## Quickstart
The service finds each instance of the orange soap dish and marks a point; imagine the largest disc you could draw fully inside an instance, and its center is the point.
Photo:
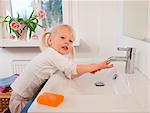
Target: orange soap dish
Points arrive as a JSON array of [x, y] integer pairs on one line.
[[50, 99]]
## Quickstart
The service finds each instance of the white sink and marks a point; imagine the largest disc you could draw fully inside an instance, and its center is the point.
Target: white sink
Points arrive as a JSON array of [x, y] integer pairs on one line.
[[86, 84], [116, 96]]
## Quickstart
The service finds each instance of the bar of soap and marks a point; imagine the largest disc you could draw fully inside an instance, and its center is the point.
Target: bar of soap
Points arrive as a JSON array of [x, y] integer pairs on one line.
[[50, 99]]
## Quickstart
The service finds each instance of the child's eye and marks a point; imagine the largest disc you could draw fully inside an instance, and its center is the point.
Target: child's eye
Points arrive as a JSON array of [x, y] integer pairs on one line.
[[62, 37], [71, 41]]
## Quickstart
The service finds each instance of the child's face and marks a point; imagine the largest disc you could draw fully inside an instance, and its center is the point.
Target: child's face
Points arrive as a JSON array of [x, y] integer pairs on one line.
[[62, 41]]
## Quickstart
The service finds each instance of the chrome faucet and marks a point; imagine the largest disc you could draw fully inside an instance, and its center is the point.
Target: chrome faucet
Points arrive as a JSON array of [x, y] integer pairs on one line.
[[129, 59]]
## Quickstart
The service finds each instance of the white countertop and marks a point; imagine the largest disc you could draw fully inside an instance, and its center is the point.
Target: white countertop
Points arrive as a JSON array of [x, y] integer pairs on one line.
[[137, 101]]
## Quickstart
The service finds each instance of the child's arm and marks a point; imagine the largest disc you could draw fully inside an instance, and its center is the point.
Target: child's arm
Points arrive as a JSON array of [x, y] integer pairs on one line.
[[86, 68]]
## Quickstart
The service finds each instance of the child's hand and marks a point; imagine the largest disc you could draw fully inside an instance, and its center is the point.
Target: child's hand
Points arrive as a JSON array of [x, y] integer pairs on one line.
[[93, 72], [105, 64]]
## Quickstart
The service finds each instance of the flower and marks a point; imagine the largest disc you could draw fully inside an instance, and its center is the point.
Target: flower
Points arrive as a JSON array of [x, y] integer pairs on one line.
[[46, 28], [12, 37], [19, 25], [35, 36], [15, 25], [41, 14]]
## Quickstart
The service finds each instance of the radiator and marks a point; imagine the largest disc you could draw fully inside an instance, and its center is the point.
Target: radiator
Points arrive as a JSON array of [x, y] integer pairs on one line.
[[18, 66]]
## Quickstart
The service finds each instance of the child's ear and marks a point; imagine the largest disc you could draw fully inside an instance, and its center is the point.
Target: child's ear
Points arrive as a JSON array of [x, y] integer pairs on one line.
[[49, 40], [44, 40]]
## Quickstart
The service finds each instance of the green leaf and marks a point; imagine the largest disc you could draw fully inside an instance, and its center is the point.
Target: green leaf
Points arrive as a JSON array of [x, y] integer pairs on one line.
[[1, 17], [18, 15], [21, 21], [2, 24], [9, 25], [17, 33], [30, 33], [5, 21], [31, 14], [6, 28], [34, 25], [40, 25], [7, 17]]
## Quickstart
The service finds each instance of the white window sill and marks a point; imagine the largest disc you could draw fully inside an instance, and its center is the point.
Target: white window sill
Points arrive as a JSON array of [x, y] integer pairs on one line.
[[29, 43], [19, 43]]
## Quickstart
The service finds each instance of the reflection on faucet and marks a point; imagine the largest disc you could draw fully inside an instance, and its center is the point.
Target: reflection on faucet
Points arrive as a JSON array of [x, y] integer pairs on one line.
[[129, 59]]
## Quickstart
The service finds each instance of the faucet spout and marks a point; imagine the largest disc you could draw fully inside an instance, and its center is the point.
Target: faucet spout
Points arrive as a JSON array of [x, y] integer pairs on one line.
[[129, 59], [117, 58]]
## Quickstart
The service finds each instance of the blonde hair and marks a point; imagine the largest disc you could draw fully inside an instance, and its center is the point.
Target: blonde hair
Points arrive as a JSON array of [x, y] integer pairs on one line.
[[46, 35]]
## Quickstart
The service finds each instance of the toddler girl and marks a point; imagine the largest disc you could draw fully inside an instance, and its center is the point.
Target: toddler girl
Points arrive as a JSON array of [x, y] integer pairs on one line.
[[57, 45]]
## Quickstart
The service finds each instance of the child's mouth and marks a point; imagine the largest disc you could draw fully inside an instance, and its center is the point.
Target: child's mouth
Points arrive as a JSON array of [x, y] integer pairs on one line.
[[65, 48]]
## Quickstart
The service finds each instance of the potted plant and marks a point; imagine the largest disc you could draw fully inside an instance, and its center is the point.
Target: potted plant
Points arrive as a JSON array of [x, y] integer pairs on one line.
[[19, 26]]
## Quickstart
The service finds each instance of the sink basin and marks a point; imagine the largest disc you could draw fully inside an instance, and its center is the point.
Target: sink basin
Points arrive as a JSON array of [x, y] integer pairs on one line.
[[105, 82], [100, 83], [82, 93]]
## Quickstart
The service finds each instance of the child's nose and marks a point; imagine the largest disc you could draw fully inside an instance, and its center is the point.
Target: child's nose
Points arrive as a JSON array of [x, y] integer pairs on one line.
[[67, 42]]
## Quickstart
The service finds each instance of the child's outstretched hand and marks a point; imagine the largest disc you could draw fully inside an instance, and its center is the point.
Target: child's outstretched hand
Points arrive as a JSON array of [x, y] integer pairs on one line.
[[103, 65], [93, 72]]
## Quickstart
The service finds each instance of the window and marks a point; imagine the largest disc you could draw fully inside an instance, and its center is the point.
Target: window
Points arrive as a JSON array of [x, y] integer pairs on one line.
[[53, 9], [24, 10], [58, 11]]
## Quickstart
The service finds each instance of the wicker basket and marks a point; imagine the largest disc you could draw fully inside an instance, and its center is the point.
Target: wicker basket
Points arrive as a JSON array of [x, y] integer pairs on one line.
[[4, 101]]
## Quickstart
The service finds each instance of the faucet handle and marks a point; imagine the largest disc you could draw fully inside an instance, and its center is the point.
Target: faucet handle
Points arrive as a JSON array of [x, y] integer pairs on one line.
[[123, 49], [127, 49]]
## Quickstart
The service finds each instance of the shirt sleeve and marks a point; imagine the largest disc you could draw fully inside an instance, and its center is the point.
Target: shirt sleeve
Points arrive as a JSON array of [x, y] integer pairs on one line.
[[67, 66]]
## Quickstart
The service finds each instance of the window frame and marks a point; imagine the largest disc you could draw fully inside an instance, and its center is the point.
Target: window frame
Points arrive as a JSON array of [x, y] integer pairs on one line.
[[70, 16]]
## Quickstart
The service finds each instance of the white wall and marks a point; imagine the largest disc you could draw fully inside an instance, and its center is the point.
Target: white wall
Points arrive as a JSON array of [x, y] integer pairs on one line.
[[111, 36], [8, 54], [88, 32], [100, 23], [135, 24], [142, 51], [1, 12], [100, 27], [109, 27], [88, 29]]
